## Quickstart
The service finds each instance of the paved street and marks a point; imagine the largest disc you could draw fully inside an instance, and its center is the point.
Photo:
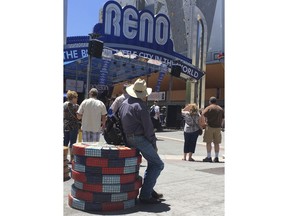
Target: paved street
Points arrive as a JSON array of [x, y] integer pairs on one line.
[[189, 188]]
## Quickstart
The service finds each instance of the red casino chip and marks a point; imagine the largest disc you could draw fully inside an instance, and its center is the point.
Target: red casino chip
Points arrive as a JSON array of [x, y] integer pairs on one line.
[[105, 170], [103, 150], [103, 179], [102, 197], [109, 188], [106, 162], [107, 206]]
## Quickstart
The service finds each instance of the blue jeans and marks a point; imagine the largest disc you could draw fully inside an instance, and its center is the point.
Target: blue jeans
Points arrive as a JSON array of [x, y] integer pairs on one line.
[[155, 164], [70, 136], [88, 136]]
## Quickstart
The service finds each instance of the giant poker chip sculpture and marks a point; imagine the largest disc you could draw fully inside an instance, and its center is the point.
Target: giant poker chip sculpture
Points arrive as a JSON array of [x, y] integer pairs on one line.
[[106, 177]]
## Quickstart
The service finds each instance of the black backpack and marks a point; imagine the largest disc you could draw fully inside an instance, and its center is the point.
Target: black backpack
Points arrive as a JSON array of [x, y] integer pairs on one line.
[[113, 133], [152, 111]]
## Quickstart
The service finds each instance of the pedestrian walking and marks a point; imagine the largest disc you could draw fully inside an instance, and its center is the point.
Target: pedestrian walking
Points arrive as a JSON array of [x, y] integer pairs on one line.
[[139, 133], [214, 115], [191, 129], [71, 122], [93, 114]]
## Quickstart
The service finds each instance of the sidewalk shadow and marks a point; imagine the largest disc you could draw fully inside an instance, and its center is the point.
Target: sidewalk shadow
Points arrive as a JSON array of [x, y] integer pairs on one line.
[[200, 161], [139, 207], [207, 162]]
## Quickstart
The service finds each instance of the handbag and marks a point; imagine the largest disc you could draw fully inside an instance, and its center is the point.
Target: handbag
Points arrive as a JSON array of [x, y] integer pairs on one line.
[[200, 130], [77, 120]]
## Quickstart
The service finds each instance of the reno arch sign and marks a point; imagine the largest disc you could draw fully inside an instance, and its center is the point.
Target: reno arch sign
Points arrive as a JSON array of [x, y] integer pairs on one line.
[[139, 32], [133, 25]]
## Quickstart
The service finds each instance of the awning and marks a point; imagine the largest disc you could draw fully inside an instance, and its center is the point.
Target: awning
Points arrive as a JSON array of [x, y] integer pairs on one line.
[[112, 69]]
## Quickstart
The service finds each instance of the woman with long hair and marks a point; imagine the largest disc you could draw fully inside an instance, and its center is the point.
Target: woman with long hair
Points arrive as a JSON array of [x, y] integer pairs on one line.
[[191, 129]]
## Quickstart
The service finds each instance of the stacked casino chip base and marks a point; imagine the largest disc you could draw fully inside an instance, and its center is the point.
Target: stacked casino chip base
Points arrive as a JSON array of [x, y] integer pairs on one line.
[[65, 165], [106, 177]]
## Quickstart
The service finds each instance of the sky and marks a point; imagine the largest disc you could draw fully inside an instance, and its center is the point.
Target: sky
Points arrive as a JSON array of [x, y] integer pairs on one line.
[[82, 15]]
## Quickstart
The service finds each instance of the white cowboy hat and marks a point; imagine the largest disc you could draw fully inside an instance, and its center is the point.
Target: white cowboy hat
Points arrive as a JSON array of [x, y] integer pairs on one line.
[[139, 89]]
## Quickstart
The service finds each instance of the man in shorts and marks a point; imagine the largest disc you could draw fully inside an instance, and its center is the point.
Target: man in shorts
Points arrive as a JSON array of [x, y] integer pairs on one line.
[[214, 115], [93, 114]]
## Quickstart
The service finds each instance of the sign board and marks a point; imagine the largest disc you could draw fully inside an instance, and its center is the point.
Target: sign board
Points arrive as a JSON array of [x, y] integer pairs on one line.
[[72, 54], [159, 96], [135, 32], [74, 86], [142, 33]]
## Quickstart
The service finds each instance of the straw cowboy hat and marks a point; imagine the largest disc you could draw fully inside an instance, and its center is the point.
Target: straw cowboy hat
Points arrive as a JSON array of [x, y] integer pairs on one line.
[[139, 89]]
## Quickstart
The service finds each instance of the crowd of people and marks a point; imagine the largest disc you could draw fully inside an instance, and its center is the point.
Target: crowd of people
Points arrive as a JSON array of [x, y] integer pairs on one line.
[[139, 124]]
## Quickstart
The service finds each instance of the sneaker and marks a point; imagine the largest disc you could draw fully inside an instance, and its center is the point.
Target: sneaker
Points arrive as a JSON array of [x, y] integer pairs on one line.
[[149, 200], [156, 195], [216, 160], [207, 159]]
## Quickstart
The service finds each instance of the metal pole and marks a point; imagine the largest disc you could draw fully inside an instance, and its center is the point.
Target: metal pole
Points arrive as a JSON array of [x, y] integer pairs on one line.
[[89, 68], [65, 20], [200, 95], [196, 92], [147, 83], [76, 75], [170, 88], [88, 75]]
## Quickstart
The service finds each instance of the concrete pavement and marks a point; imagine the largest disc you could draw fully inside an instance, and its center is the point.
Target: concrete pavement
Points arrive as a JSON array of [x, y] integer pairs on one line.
[[189, 188]]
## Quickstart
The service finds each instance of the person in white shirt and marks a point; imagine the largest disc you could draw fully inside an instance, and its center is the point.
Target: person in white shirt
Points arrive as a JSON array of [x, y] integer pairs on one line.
[[93, 114], [118, 101], [156, 117]]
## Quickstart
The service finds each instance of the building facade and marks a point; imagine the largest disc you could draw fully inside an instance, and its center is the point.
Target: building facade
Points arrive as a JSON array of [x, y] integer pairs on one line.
[[197, 31]]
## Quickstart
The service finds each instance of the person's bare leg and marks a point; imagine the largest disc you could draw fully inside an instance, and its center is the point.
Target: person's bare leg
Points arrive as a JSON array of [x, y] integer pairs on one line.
[[208, 148], [190, 156], [217, 149], [184, 158]]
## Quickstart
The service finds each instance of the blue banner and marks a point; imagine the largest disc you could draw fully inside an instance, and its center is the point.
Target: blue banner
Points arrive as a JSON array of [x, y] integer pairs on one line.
[[72, 54]]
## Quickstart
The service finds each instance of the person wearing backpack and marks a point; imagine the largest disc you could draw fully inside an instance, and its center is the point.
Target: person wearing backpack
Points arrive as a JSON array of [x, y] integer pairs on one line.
[[113, 133], [118, 101]]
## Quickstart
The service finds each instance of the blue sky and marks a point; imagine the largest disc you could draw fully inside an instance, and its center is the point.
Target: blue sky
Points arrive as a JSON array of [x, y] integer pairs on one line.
[[82, 15]]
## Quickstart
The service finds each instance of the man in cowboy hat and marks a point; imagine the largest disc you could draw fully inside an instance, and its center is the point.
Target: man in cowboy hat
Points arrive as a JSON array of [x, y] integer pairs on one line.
[[139, 132]]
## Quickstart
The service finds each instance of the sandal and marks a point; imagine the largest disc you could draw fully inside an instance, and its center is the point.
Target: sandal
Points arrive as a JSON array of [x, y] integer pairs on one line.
[[183, 159], [191, 159]]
